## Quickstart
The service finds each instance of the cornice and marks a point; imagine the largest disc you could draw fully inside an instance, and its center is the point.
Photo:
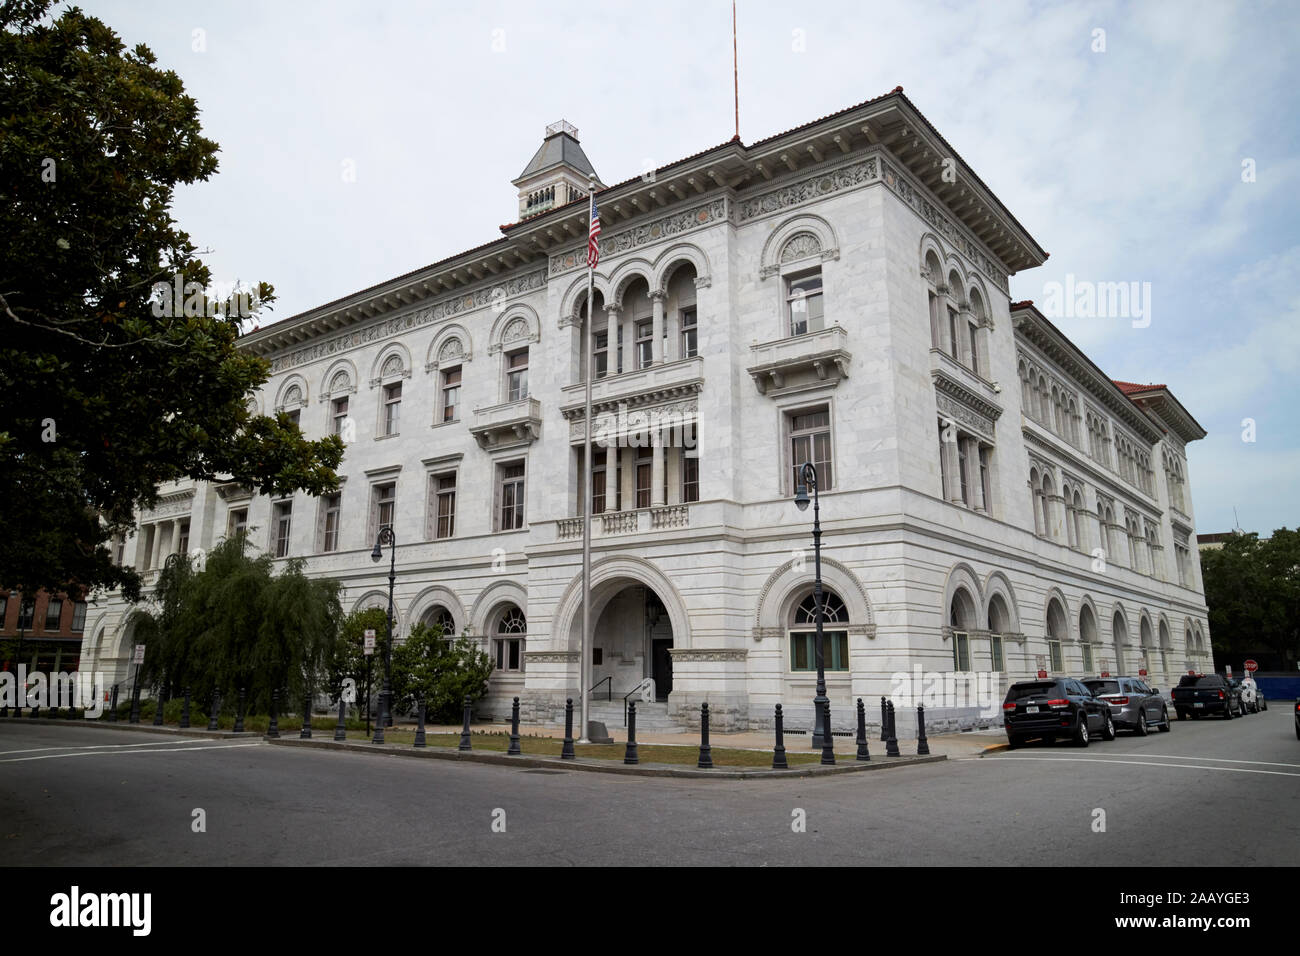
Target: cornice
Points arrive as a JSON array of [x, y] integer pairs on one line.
[[945, 383]]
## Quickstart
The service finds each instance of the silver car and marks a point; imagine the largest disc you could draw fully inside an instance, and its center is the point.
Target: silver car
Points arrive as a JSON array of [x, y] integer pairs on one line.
[[1134, 705]]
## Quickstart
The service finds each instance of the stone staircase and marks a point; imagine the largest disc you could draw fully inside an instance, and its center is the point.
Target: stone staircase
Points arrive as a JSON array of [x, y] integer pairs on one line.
[[650, 718]]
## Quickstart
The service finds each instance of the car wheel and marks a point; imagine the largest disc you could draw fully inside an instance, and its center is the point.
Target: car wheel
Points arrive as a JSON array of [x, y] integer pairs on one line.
[[1263, 704], [1227, 710], [1015, 742], [1081, 735], [1108, 729], [1166, 726], [1142, 723]]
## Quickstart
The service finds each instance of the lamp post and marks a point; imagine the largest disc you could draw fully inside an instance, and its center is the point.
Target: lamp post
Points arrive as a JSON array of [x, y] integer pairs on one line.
[[386, 537], [807, 478]]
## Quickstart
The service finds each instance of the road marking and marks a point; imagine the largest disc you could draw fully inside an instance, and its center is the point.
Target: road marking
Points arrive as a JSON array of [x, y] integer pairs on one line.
[[115, 753], [1262, 763], [1144, 763], [143, 743]]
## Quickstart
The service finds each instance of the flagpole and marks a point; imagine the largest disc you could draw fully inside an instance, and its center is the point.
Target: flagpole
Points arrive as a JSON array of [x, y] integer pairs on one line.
[[584, 655]]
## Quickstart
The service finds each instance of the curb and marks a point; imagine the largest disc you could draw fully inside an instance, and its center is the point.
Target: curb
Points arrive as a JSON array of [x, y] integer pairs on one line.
[[134, 728], [607, 766], [994, 748]]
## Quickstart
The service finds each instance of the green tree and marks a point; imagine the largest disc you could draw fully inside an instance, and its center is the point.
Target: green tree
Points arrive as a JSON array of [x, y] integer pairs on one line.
[[1252, 590], [108, 387], [349, 658], [439, 670]]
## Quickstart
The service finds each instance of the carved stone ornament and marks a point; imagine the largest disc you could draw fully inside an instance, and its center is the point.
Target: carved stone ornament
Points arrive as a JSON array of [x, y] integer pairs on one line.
[[803, 245]]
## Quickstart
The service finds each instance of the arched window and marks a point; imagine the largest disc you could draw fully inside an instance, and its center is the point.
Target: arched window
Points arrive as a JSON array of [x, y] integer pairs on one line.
[[438, 616], [803, 634], [1118, 634], [509, 639], [999, 624], [1056, 635], [962, 620], [1087, 636], [934, 280]]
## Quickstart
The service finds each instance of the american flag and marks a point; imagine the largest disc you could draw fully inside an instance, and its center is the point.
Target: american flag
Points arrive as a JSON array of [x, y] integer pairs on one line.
[[593, 246]]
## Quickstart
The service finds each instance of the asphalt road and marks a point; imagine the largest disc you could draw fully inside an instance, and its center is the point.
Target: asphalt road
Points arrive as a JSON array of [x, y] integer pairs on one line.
[[78, 796]]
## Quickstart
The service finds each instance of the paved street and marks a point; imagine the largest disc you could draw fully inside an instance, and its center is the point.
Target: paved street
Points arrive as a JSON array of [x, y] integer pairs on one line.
[[80, 796]]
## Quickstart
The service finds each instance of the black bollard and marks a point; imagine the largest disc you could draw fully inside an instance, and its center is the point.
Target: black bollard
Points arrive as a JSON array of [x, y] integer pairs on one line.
[[112, 706], [778, 752], [465, 743], [135, 703], [891, 744], [273, 726], [341, 730], [215, 713], [419, 729], [513, 750], [305, 733], [185, 709], [706, 752], [239, 713], [4, 710], [863, 752], [884, 721], [36, 711], [158, 710], [567, 752], [828, 742], [630, 755], [922, 745]]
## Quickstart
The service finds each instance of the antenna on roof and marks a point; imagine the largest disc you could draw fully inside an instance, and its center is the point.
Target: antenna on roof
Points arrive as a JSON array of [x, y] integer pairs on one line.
[[735, 67], [1236, 525]]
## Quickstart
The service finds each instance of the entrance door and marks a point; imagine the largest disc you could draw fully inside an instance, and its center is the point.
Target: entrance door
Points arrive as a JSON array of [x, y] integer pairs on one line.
[[662, 668]]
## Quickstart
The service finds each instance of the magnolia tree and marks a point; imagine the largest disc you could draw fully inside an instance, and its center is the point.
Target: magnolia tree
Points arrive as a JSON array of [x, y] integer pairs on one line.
[[440, 671]]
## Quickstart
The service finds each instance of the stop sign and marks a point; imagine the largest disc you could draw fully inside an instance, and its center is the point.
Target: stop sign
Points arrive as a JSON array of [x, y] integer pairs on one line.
[[1042, 674], [1251, 667]]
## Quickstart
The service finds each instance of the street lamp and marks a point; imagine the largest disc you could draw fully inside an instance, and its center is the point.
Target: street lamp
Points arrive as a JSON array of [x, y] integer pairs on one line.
[[386, 537], [821, 731]]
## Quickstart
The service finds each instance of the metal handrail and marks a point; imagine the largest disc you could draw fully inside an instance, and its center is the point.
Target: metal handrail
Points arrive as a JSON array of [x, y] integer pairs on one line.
[[640, 686], [609, 693]]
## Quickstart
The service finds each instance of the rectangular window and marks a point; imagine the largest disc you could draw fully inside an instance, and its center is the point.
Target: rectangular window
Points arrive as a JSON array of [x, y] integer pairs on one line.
[[510, 493], [803, 650], [690, 337], [332, 510], [444, 490], [1054, 656], [644, 343], [517, 376], [644, 474], [509, 653], [995, 653], [383, 506], [392, 407], [1086, 648], [281, 521], [451, 395], [804, 303], [183, 539], [600, 354], [26, 611], [237, 522], [121, 550], [53, 612], [810, 440], [960, 651], [340, 414], [986, 476], [690, 478], [962, 466], [78, 617], [295, 416]]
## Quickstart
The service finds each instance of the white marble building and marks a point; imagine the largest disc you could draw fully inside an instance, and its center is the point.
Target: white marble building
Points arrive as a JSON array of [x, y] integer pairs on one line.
[[990, 499]]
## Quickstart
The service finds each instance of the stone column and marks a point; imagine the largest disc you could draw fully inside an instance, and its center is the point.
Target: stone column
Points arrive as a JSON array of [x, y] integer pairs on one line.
[[657, 346], [952, 468], [157, 544], [1056, 512], [973, 460], [611, 341], [673, 464], [611, 476], [657, 469]]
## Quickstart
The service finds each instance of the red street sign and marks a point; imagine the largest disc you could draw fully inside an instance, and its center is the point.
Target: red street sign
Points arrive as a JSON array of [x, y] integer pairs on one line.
[[1142, 672], [1191, 673], [1042, 674], [1105, 673], [1252, 666]]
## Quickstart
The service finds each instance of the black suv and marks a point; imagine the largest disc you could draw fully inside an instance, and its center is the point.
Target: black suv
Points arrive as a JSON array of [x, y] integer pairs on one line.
[[1055, 707]]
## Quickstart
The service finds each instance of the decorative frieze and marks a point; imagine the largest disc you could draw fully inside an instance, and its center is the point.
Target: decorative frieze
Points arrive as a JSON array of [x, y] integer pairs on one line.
[[654, 231], [808, 189], [551, 657], [169, 505], [386, 328], [697, 655]]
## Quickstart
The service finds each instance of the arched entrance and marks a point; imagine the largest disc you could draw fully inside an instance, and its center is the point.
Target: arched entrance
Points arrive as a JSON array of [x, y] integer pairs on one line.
[[631, 639]]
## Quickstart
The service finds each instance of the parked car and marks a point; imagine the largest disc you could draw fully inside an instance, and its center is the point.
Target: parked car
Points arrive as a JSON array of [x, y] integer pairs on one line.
[[1297, 719], [1248, 695], [1055, 707], [1133, 704], [1256, 702], [1198, 694]]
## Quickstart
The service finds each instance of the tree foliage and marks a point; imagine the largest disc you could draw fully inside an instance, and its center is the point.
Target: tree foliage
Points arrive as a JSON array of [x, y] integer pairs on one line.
[[349, 657], [1252, 589], [235, 623], [441, 671], [103, 399]]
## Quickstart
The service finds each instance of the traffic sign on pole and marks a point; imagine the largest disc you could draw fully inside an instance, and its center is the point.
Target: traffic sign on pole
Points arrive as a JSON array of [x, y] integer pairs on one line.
[[139, 653], [1251, 667]]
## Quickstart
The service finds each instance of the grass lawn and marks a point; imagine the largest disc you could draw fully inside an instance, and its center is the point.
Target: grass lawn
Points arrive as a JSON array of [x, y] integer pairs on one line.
[[648, 753]]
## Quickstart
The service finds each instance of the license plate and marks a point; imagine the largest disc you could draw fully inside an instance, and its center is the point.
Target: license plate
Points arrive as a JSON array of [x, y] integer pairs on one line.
[[1199, 704], [1031, 710]]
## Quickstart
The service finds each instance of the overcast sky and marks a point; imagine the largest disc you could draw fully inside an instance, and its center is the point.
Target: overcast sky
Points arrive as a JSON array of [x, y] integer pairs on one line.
[[1126, 163]]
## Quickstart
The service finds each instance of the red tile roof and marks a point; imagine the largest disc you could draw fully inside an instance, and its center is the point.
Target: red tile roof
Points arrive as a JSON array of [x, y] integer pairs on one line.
[[1128, 388]]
